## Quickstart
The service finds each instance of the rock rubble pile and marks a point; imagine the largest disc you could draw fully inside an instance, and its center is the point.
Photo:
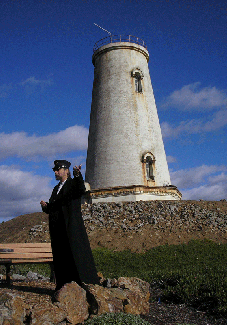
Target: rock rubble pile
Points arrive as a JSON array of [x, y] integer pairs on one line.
[[132, 216], [139, 226], [75, 304]]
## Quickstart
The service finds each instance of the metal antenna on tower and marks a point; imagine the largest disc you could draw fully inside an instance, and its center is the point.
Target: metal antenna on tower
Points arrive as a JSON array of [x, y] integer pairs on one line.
[[102, 29]]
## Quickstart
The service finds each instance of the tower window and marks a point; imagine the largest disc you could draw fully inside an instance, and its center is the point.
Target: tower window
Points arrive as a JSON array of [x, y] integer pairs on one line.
[[148, 165], [138, 76], [149, 168], [138, 83]]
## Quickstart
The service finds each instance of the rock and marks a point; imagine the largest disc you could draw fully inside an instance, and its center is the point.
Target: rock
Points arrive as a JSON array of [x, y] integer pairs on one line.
[[138, 295], [74, 300], [12, 309], [32, 275], [131, 296], [135, 284], [18, 277], [136, 304], [47, 314], [8, 322], [36, 228], [105, 300], [35, 276]]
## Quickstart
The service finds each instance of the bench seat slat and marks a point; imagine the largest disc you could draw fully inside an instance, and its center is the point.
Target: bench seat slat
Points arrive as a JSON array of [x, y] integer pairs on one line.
[[26, 245], [37, 260], [26, 250], [25, 261], [25, 255]]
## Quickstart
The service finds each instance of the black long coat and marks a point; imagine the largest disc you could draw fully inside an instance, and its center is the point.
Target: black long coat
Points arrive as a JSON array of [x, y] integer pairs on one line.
[[72, 256]]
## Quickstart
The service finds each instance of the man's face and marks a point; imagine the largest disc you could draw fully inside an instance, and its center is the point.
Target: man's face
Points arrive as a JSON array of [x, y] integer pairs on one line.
[[61, 174]]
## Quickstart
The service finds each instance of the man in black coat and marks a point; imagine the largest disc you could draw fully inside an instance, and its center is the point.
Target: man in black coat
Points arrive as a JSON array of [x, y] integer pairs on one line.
[[72, 256]]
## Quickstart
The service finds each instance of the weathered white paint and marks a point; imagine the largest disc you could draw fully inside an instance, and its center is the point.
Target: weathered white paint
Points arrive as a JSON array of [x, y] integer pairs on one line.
[[124, 124]]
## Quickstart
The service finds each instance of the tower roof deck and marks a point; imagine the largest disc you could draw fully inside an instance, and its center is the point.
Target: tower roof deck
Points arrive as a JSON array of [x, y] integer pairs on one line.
[[117, 39]]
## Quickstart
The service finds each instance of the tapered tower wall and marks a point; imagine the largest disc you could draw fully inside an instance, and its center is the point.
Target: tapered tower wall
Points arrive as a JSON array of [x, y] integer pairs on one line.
[[124, 124]]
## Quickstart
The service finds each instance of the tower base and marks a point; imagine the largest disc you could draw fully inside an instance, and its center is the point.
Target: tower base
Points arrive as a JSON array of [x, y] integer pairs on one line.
[[132, 193]]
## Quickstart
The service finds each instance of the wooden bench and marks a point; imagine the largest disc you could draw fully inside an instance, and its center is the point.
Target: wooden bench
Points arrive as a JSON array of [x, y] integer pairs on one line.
[[23, 253]]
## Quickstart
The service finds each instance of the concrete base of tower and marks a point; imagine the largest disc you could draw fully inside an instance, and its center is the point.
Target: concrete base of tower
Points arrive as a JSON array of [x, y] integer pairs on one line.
[[132, 193]]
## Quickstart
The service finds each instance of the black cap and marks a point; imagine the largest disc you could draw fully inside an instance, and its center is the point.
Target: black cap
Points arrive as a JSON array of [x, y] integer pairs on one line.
[[61, 164]]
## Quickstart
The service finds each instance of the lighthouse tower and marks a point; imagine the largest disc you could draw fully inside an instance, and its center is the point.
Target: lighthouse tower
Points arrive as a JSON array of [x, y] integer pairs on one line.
[[126, 160]]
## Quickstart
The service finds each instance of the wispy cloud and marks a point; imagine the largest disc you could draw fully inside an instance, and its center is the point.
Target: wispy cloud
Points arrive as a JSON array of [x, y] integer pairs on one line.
[[192, 97], [27, 85], [21, 191], [187, 178], [20, 144], [35, 82], [203, 182], [206, 192], [171, 159], [195, 126]]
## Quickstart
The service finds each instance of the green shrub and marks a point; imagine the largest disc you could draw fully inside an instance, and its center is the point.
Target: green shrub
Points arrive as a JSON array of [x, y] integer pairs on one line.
[[116, 319], [193, 273]]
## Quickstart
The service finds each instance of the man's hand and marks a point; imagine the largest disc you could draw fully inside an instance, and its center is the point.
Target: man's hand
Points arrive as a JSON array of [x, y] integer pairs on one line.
[[76, 170], [43, 204]]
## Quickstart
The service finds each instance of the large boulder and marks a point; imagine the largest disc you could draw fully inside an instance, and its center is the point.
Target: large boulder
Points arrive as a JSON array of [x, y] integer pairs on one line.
[[129, 295], [48, 314], [74, 301], [105, 300], [138, 295], [12, 309]]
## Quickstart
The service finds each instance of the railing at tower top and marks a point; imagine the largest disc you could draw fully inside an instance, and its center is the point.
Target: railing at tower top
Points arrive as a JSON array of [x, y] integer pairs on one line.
[[118, 38]]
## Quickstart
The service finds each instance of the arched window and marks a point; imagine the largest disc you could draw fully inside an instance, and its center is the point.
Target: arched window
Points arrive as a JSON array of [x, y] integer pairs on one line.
[[138, 76], [148, 162], [149, 168], [138, 83]]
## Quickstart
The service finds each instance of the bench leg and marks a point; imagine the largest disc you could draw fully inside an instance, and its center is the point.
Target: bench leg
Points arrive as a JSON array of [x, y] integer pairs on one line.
[[8, 274], [52, 275]]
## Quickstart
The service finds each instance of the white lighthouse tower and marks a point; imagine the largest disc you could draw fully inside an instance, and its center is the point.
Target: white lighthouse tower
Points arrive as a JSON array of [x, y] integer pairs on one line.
[[126, 160]]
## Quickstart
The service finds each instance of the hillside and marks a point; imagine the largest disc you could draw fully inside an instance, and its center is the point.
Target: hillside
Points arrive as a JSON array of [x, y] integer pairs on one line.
[[137, 226]]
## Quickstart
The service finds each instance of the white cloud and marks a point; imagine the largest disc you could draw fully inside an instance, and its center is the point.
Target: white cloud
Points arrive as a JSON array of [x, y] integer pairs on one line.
[[186, 178], [35, 82], [29, 83], [206, 192], [191, 97], [195, 126], [20, 144], [203, 182], [169, 131], [21, 192], [218, 178], [171, 159]]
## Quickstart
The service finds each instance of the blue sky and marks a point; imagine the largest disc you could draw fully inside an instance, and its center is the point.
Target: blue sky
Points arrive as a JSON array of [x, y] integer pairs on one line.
[[46, 87]]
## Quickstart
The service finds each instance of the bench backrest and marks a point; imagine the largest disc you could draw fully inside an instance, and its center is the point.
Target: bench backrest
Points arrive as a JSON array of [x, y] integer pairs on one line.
[[25, 253]]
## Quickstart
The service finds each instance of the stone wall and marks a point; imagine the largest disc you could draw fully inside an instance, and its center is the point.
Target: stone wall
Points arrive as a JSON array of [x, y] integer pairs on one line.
[[145, 224], [132, 216]]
